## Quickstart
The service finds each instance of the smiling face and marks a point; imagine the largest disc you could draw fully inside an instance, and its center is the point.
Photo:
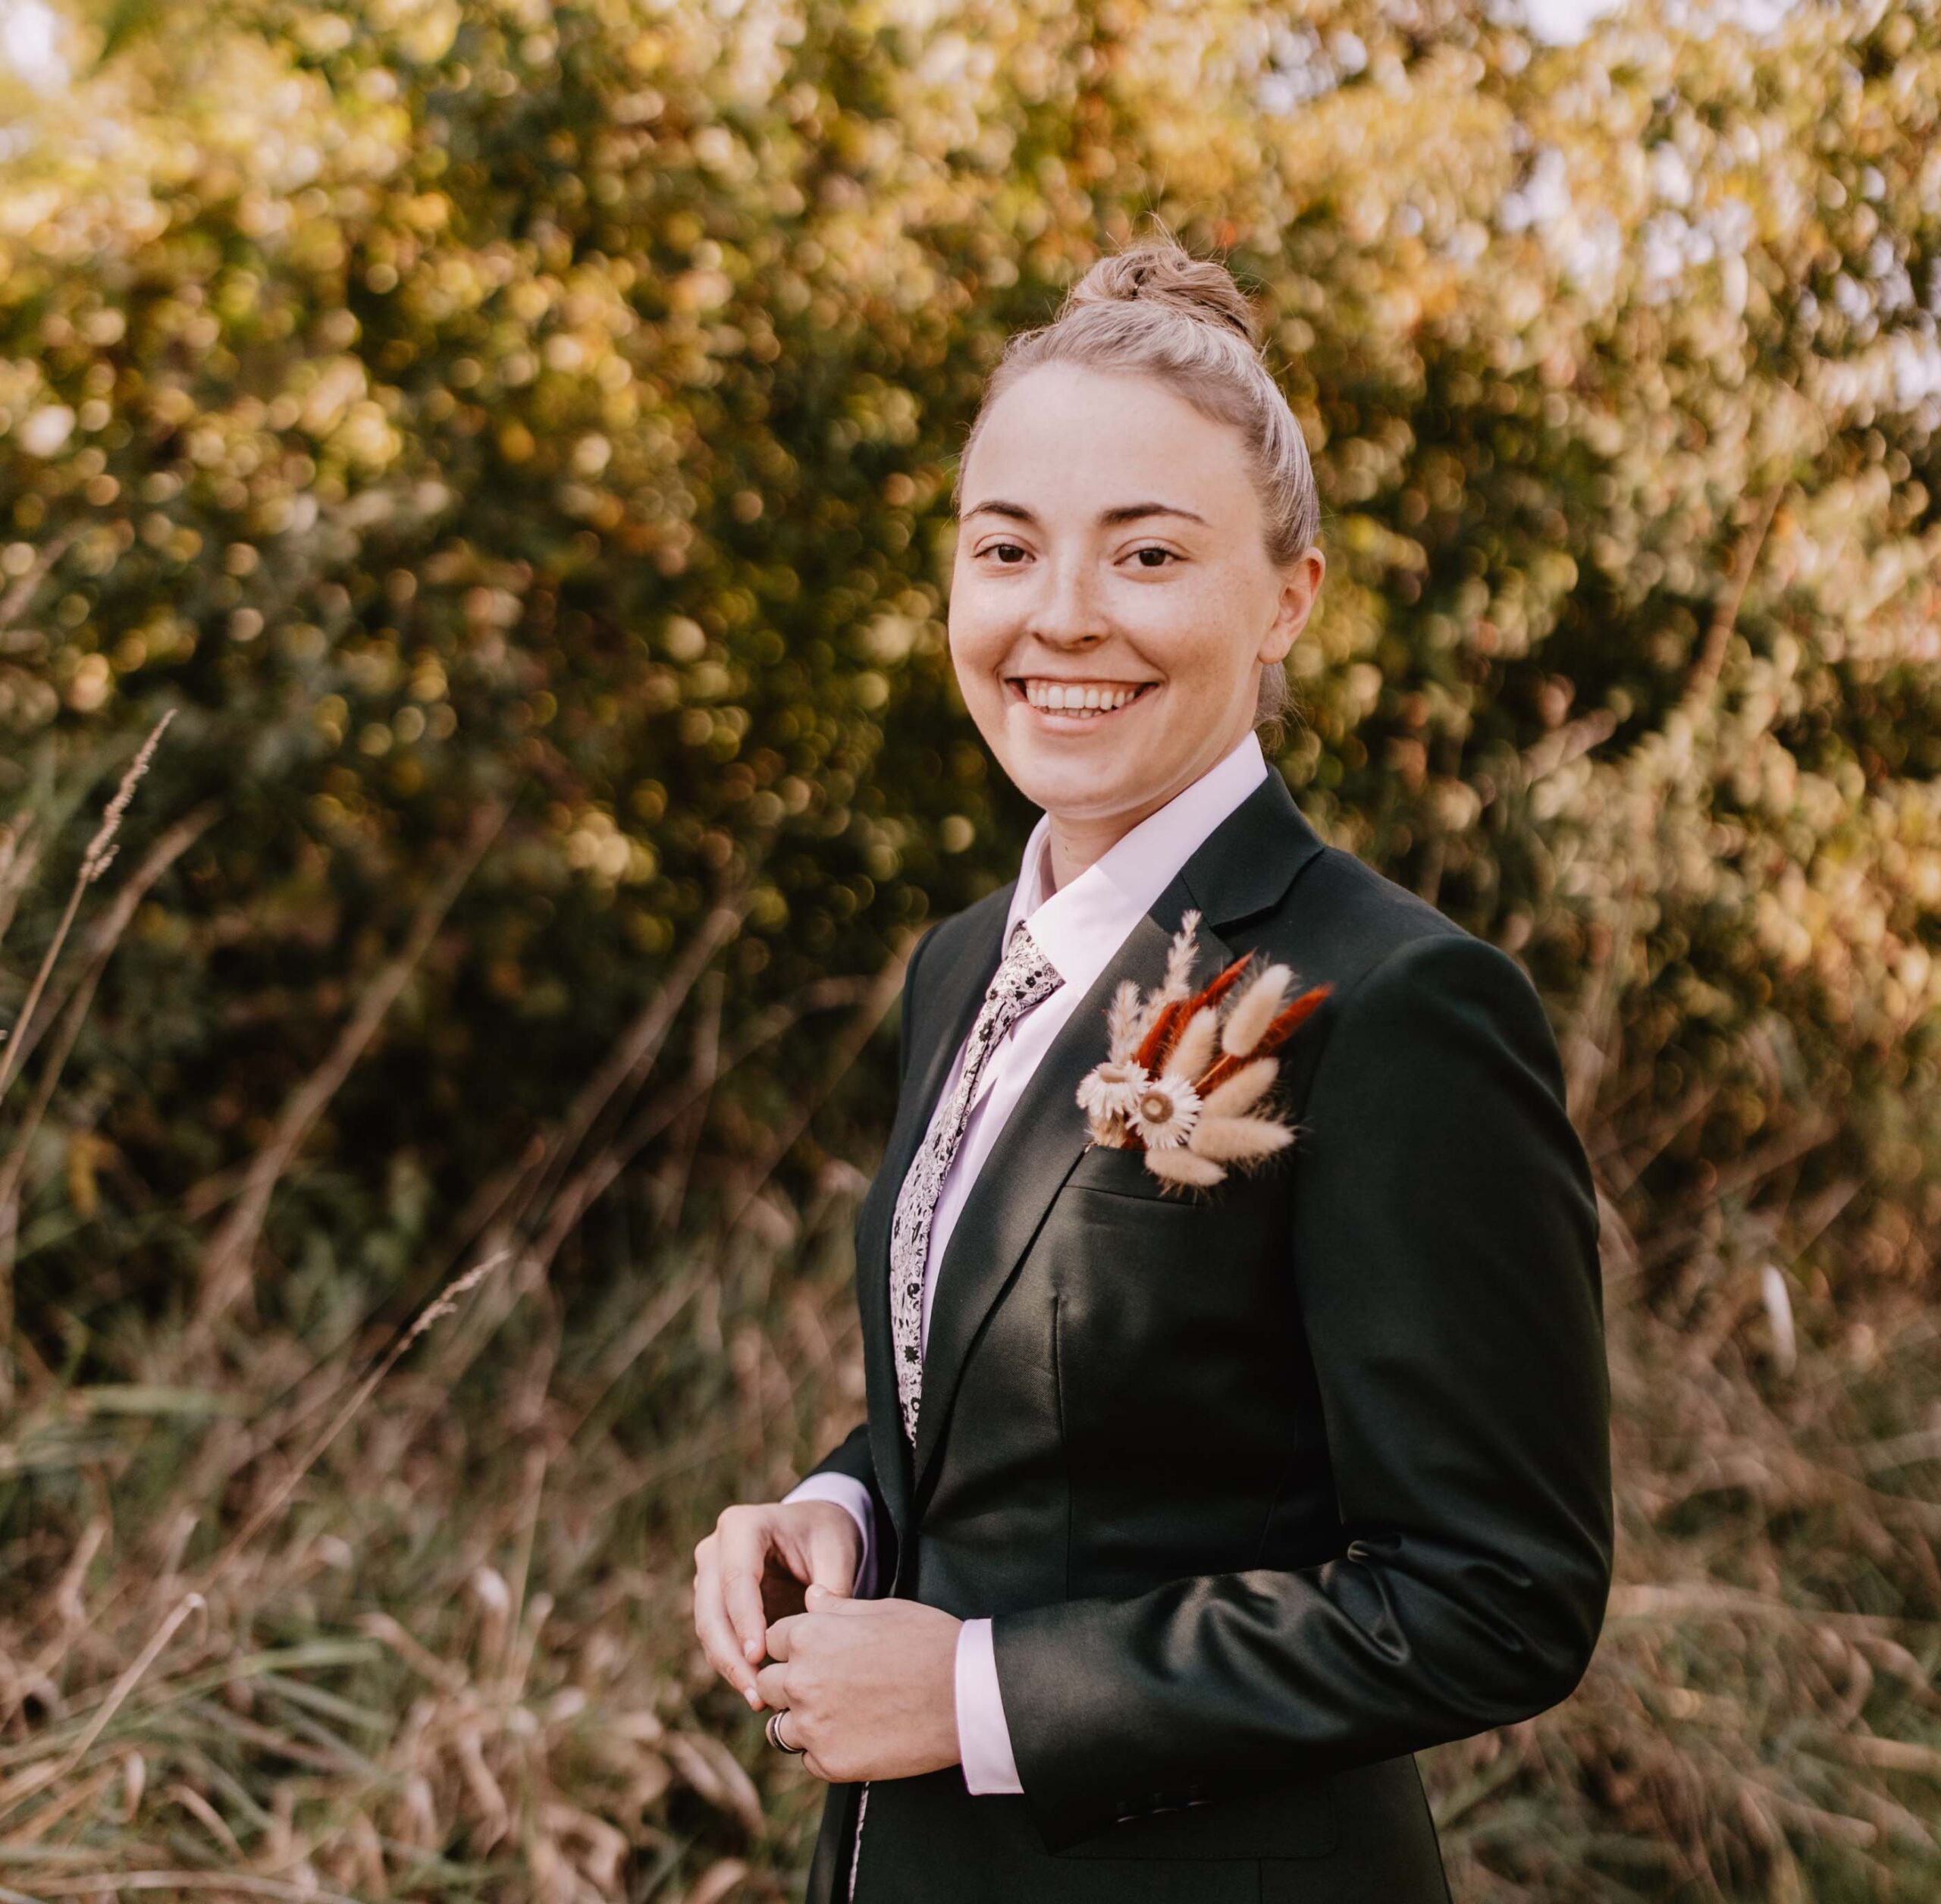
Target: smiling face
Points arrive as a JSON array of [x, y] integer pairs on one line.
[[1112, 598]]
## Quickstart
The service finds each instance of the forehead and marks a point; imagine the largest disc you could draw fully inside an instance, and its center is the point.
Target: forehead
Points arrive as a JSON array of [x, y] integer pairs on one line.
[[1063, 436]]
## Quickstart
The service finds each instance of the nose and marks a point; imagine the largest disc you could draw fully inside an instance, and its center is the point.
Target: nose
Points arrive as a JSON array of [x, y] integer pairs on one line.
[[1070, 613]]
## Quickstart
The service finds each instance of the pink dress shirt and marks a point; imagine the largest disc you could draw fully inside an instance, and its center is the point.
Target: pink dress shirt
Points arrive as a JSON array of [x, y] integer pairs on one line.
[[1078, 927]]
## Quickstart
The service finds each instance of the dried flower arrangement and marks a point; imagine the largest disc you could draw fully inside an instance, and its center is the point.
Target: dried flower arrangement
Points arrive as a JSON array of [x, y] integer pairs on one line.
[[1185, 1070]]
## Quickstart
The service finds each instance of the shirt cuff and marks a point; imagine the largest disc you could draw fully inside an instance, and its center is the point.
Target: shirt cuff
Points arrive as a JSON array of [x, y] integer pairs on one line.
[[847, 1491], [983, 1738]]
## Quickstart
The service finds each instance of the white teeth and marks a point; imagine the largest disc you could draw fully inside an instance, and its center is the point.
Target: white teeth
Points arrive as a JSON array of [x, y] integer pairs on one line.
[[1069, 698]]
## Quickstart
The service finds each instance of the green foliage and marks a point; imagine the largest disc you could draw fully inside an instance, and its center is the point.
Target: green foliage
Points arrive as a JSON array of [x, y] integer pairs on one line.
[[441, 403]]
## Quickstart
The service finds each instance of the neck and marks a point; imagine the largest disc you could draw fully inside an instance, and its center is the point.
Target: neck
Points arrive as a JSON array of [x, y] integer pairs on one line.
[[1073, 844], [1077, 841]]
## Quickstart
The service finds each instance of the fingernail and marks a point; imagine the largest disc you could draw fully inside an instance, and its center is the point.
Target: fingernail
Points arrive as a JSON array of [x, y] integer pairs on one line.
[[754, 1698]]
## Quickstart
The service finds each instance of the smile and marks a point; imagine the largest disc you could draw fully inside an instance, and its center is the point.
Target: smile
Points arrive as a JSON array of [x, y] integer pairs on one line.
[[1085, 701]]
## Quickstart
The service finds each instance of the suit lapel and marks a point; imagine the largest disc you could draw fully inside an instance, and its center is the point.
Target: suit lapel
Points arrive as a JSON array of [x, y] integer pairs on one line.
[[1243, 867], [953, 992]]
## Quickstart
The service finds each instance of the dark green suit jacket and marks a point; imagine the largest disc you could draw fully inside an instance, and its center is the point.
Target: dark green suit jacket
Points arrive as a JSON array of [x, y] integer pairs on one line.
[[1266, 1491]]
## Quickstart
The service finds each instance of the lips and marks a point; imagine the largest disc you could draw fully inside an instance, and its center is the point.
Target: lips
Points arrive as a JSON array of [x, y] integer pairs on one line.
[[1077, 700]]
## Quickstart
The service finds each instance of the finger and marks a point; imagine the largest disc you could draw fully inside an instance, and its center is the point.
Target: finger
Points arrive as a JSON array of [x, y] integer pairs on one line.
[[771, 1682], [716, 1635], [782, 1635], [834, 1552], [745, 1552], [718, 1642]]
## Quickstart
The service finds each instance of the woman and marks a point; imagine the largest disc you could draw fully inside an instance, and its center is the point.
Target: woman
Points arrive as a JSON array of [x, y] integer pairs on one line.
[[1179, 1522]]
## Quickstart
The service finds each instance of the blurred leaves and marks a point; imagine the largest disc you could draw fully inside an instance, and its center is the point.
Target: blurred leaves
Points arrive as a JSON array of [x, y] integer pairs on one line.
[[443, 403]]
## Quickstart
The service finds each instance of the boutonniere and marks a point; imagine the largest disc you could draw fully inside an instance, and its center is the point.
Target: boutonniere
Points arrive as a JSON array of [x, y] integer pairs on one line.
[[1184, 1070]]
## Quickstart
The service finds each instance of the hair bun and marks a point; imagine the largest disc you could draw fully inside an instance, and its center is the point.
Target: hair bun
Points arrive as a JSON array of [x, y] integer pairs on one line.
[[1161, 272]]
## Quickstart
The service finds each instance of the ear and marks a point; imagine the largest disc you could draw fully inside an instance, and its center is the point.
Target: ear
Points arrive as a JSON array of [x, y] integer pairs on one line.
[[1300, 586]]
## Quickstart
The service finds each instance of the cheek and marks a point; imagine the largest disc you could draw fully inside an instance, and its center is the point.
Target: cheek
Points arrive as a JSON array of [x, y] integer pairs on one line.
[[976, 648], [1199, 649], [1226, 637], [961, 628]]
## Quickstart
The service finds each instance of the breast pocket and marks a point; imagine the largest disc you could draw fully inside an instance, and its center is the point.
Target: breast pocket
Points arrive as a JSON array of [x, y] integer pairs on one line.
[[1173, 1317], [1102, 1166]]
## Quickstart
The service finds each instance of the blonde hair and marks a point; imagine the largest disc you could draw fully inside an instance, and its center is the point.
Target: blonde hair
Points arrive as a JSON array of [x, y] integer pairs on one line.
[[1154, 309]]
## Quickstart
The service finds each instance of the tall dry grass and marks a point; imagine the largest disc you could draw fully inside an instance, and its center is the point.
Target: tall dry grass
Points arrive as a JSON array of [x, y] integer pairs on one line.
[[407, 1616]]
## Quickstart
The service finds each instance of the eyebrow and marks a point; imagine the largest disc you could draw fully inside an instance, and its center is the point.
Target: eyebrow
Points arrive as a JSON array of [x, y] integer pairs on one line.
[[1107, 518]]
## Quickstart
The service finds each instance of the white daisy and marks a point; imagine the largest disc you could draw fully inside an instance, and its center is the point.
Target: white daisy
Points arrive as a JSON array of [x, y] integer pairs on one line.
[[1165, 1112], [1111, 1089]]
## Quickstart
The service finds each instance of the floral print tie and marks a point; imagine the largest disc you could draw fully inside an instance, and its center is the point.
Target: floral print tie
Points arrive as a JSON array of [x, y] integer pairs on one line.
[[1025, 977]]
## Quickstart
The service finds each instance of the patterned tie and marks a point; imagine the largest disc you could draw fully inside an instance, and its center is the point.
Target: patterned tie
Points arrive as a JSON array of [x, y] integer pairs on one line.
[[1025, 976]]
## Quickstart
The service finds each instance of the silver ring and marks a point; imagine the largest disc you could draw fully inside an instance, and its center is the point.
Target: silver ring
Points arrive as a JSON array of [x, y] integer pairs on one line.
[[773, 1729]]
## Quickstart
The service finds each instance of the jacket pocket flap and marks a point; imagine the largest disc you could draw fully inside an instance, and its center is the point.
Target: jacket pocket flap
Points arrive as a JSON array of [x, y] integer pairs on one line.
[[1295, 1820]]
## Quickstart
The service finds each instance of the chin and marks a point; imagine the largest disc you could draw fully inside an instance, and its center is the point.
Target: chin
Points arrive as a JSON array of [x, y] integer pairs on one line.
[[1081, 791]]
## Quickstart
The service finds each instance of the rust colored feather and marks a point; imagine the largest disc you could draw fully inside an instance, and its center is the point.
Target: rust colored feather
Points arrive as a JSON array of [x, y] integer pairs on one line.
[[1158, 1042], [1217, 988], [1279, 1029], [1153, 1047], [1285, 1021]]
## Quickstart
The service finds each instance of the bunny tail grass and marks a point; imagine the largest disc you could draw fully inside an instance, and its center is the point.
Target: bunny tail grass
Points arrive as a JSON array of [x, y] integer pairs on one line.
[[1240, 1139], [1290, 1018], [1181, 1165], [1238, 1089], [1193, 1049], [1253, 1011]]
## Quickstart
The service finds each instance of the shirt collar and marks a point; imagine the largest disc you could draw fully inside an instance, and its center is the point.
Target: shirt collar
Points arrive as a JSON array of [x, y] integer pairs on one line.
[[1079, 927]]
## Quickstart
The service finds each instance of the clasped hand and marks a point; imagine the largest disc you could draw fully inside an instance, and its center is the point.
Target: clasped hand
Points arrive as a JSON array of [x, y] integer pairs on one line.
[[869, 1685]]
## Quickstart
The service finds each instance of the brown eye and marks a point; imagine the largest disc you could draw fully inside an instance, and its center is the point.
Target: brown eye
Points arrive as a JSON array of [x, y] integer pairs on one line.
[[1165, 556], [1012, 546]]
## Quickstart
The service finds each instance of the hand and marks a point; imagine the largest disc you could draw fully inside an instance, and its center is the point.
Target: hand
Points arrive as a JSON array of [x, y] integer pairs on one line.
[[754, 1567], [870, 1686]]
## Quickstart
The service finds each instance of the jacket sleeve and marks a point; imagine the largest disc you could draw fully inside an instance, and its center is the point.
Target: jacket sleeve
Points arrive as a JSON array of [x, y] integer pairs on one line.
[[1444, 1249], [851, 1457]]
